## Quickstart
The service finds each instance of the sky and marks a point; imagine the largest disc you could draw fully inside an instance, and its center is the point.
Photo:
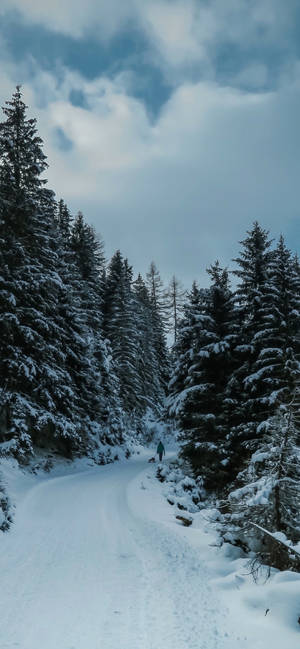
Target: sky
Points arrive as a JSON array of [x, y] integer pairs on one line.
[[171, 124]]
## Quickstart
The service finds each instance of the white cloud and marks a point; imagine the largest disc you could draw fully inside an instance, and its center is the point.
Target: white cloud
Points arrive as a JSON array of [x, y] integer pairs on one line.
[[74, 17], [179, 30]]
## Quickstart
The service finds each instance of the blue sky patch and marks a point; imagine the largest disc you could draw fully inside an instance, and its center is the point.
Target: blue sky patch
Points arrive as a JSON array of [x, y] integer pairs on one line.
[[77, 98], [62, 141]]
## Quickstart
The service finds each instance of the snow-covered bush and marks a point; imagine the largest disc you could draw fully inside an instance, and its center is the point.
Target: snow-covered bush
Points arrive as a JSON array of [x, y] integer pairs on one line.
[[161, 473], [181, 490]]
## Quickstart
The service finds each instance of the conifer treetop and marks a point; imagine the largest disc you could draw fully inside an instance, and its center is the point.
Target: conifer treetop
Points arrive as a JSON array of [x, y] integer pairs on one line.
[[21, 156]]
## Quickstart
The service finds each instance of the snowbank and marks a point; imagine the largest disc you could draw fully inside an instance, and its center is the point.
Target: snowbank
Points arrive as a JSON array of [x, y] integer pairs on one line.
[[266, 613]]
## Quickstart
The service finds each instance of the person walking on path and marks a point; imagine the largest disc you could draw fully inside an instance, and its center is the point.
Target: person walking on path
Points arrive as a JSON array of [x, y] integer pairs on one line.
[[160, 450]]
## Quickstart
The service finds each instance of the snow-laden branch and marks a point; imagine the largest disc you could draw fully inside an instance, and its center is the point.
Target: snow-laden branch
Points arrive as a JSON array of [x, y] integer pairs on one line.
[[274, 537]]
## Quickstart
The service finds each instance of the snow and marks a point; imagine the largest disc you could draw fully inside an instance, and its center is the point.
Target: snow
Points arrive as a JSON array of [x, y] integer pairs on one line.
[[258, 493], [281, 537], [259, 456], [267, 351], [179, 400], [256, 376], [97, 560]]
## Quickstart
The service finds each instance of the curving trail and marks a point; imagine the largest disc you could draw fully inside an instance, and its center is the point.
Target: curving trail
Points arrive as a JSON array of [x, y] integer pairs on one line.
[[89, 565]]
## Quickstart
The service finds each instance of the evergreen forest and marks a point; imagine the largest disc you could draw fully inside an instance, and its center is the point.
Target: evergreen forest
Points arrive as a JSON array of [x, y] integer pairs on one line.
[[89, 347]]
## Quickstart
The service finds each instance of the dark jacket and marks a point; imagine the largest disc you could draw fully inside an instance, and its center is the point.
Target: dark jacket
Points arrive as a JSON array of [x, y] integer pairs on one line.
[[160, 449]]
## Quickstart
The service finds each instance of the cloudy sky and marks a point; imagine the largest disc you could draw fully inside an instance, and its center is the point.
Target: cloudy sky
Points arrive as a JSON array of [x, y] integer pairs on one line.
[[172, 124]]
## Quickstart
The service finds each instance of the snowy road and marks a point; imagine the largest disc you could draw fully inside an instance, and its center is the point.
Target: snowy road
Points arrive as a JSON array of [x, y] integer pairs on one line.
[[90, 564]]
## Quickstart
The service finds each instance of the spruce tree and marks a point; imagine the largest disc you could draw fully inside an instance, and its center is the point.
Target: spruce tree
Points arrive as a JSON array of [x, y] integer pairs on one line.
[[203, 414], [175, 297], [96, 380], [119, 327], [147, 361], [263, 503], [183, 350], [31, 353], [254, 297], [159, 318], [266, 360]]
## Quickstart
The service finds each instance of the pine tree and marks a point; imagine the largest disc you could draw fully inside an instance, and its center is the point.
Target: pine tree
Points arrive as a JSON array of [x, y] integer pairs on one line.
[[175, 300], [287, 310], [64, 221], [159, 322], [77, 338], [203, 413], [97, 380], [263, 503], [119, 327], [267, 367], [156, 289], [147, 362], [249, 382], [183, 349], [31, 354]]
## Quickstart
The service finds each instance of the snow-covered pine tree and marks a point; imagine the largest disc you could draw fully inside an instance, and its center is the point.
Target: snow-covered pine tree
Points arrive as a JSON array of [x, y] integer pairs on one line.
[[264, 503], [159, 322], [287, 304], [32, 358], [120, 329], [269, 301], [156, 289], [96, 379], [72, 323], [77, 336], [275, 368], [203, 403], [183, 350], [147, 362], [249, 382], [64, 220], [175, 298]]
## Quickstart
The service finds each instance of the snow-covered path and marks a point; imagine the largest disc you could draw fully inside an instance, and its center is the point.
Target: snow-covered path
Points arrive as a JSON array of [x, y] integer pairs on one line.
[[89, 564]]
